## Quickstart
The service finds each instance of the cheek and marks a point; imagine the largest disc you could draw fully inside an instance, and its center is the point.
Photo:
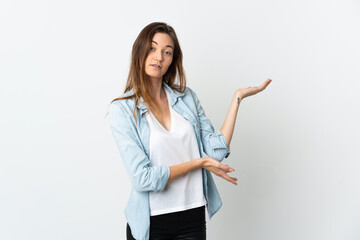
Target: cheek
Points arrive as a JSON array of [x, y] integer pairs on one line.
[[147, 60], [149, 57], [169, 62], [167, 67]]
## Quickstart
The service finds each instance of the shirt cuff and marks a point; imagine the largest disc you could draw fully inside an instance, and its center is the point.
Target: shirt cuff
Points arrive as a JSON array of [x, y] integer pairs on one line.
[[222, 143]]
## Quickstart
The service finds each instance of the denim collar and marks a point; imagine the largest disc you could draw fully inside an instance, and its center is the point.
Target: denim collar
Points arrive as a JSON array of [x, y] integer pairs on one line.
[[173, 95]]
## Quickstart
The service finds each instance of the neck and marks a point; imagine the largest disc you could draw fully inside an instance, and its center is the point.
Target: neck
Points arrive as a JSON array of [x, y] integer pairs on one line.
[[157, 91]]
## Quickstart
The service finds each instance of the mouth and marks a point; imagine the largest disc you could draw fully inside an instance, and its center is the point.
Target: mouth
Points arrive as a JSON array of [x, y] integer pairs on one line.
[[155, 65]]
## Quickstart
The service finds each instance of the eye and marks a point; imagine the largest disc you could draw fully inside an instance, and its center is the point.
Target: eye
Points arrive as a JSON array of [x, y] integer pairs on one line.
[[151, 48], [168, 53]]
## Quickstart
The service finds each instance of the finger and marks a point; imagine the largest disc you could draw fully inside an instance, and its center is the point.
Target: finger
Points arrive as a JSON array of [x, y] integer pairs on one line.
[[266, 83], [227, 168], [230, 170], [234, 178], [230, 179]]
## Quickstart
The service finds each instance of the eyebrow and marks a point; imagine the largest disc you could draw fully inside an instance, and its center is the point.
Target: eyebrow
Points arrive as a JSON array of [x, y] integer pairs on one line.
[[166, 45]]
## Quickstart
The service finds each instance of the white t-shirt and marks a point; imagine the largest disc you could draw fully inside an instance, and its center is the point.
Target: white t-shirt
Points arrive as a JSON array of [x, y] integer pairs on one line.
[[170, 148]]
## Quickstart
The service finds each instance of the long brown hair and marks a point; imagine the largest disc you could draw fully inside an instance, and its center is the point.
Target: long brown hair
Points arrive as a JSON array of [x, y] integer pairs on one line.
[[138, 80]]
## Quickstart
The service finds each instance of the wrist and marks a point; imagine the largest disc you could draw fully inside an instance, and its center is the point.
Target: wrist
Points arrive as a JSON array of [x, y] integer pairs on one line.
[[202, 162], [238, 95]]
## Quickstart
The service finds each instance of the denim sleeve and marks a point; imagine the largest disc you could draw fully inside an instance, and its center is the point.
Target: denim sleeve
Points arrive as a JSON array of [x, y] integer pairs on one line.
[[142, 176], [214, 143]]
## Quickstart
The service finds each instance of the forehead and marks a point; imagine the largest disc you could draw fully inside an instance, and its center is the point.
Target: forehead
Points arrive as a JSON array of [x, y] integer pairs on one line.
[[163, 39]]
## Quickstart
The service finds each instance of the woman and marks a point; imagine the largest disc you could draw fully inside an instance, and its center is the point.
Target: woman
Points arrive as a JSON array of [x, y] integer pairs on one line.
[[161, 131]]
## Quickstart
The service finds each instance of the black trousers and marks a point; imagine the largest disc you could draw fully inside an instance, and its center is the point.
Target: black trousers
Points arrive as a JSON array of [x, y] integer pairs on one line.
[[184, 225]]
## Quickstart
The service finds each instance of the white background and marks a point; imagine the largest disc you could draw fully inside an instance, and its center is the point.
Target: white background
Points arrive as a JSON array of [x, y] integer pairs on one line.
[[295, 148]]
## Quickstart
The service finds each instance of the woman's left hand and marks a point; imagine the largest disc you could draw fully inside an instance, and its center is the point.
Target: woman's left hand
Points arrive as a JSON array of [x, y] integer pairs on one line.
[[246, 92]]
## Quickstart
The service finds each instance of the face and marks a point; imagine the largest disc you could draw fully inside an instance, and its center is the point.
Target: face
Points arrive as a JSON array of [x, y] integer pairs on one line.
[[161, 54]]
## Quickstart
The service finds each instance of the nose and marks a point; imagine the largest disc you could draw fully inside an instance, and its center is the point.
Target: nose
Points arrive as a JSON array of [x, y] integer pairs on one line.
[[158, 56]]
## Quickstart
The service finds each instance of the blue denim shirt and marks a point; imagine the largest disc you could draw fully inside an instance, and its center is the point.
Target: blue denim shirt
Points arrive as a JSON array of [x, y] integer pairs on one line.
[[132, 140]]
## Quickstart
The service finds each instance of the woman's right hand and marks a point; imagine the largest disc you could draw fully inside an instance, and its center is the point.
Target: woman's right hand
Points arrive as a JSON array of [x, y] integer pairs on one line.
[[218, 169]]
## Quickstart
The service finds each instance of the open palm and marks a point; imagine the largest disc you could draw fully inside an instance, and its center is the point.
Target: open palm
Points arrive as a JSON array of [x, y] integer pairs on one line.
[[249, 91]]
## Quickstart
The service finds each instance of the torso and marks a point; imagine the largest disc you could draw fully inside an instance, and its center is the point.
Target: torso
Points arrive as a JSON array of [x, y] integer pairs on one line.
[[164, 117], [172, 146]]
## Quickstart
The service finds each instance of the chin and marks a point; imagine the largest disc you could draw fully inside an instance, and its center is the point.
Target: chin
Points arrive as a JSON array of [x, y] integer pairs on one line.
[[155, 76]]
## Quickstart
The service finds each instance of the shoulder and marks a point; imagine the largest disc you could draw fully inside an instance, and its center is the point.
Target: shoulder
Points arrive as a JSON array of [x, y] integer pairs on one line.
[[122, 107], [116, 111], [187, 92], [190, 98], [190, 93]]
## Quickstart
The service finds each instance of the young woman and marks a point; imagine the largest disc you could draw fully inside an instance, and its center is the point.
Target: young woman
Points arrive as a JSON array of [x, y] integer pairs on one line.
[[161, 131]]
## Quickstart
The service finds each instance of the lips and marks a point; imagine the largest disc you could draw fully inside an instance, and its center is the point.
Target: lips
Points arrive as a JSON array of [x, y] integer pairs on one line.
[[155, 65]]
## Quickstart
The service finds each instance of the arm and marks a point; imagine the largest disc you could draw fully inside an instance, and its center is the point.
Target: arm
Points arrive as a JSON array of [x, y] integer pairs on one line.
[[142, 176], [208, 163], [183, 168], [228, 127], [214, 143]]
